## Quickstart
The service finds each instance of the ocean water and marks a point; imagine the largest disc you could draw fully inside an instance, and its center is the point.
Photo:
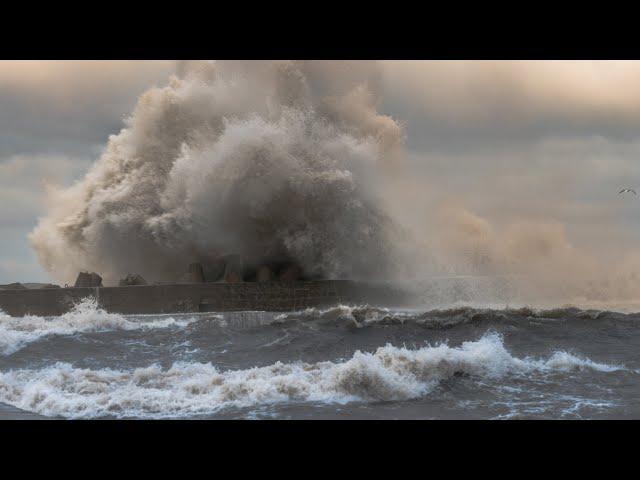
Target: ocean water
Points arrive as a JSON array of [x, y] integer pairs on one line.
[[345, 362]]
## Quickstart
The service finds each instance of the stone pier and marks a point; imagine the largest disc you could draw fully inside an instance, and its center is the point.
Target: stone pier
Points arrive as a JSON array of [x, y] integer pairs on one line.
[[201, 297]]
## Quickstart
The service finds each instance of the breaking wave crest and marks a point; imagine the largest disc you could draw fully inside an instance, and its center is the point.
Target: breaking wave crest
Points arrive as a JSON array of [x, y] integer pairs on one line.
[[185, 389], [365, 315], [17, 332]]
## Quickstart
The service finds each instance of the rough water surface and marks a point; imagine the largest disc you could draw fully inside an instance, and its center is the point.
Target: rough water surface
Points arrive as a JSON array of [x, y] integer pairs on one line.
[[345, 362]]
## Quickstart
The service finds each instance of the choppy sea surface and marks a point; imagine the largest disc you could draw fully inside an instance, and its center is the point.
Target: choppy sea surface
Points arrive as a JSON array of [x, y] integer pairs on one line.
[[345, 362]]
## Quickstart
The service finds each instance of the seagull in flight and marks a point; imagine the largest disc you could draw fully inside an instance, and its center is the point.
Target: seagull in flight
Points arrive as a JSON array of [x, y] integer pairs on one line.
[[627, 190]]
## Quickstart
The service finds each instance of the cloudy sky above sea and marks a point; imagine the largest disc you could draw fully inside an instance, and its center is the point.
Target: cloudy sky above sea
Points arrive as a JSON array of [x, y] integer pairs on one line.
[[535, 140]]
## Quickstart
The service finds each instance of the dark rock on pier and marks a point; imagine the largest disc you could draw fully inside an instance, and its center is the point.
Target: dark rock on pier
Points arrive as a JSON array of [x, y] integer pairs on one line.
[[213, 270], [264, 274], [290, 273], [195, 273], [88, 279], [233, 269], [132, 279]]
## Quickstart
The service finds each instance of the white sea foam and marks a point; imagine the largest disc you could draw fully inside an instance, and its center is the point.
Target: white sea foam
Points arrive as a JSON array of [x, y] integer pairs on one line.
[[17, 332], [184, 389]]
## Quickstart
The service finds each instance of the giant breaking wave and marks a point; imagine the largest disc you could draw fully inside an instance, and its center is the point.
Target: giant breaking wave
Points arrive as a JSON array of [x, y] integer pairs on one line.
[[269, 160]]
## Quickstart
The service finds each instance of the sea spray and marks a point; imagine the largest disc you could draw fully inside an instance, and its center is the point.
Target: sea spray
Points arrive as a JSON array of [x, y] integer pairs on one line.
[[270, 160]]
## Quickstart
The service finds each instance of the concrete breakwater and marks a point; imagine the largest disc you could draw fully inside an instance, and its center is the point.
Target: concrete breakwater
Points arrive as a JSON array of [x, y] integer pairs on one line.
[[200, 297]]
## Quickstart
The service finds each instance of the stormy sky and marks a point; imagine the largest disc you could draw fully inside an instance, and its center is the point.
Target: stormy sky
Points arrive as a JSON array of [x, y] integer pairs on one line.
[[538, 141]]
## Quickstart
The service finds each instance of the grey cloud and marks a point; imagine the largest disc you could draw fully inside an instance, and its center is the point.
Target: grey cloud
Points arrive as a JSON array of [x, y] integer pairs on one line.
[[69, 107], [513, 143], [24, 179], [462, 105], [17, 263]]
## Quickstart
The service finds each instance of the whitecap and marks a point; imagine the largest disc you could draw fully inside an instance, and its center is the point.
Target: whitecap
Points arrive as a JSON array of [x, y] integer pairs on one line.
[[86, 316], [186, 389]]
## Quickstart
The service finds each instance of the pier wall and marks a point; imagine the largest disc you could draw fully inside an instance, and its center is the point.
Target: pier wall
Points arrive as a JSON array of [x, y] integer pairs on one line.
[[197, 297]]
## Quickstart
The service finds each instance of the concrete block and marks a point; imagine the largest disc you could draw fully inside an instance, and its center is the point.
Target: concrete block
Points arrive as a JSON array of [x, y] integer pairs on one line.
[[233, 269], [132, 279], [264, 274], [195, 273], [88, 279]]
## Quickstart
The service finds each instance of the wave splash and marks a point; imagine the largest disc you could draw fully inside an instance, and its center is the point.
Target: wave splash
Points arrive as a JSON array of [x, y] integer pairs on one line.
[[274, 161], [186, 389], [17, 332]]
